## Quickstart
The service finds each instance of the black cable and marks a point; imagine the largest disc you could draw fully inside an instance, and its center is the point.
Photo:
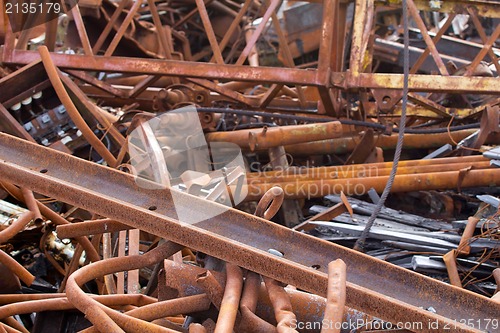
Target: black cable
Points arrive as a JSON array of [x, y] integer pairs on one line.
[[342, 121]]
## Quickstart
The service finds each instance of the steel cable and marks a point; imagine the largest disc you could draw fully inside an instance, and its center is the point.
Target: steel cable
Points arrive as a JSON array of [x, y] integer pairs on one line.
[[360, 243]]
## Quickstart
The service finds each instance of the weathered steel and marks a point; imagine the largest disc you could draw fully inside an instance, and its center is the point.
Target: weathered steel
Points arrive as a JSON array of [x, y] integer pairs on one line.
[[242, 239], [266, 138]]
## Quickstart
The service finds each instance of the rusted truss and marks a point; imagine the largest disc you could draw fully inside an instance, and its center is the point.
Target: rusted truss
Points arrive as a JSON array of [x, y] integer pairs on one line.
[[333, 77]]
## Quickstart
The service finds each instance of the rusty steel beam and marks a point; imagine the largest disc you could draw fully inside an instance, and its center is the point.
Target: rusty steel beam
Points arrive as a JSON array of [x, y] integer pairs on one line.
[[243, 239], [175, 68], [172, 68]]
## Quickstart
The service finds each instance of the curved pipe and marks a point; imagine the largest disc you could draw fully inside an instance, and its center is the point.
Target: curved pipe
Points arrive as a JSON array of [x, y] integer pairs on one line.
[[270, 203], [105, 319], [53, 74], [16, 268], [30, 201], [62, 303], [56, 219], [212, 288], [231, 300], [282, 306], [17, 226]]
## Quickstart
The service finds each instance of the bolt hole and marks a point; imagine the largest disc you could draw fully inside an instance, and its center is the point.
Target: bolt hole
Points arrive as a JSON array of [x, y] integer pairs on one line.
[[316, 267], [386, 99], [44, 171], [152, 208], [199, 98]]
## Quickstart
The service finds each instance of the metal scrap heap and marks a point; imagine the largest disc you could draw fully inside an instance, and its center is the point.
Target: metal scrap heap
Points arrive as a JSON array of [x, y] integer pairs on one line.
[[250, 166]]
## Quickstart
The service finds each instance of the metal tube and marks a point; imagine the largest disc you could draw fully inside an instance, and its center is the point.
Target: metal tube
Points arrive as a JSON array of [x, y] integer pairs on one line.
[[95, 312], [370, 166], [56, 219], [282, 306], [53, 74], [212, 288], [91, 227], [335, 297], [347, 144], [62, 303], [451, 267], [17, 226], [30, 201], [11, 322], [312, 174], [258, 139], [231, 300], [9, 329], [358, 186], [16, 268], [196, 328], [470, 228]]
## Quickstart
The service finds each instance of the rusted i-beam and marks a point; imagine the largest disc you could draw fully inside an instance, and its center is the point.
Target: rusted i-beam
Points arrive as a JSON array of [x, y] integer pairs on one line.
[[242, 239]]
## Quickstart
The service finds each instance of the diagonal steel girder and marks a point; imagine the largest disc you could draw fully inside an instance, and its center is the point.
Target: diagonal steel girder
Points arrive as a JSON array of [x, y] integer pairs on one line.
[[374, 286]]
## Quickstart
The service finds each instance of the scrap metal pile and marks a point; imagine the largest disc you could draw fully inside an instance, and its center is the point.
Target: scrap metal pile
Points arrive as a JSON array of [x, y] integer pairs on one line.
[[250, 166]]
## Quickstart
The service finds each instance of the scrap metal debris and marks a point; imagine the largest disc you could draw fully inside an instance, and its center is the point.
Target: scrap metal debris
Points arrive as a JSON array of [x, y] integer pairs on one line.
[[214, 166]]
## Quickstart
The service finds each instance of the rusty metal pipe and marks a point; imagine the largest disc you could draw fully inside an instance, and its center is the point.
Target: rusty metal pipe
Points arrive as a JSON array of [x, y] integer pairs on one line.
[[53, 74], [231, 299], [451, 268], [56, 219], [17, 226], [250, 293], [496, 276], [370, 166], [197, 328], [91, 227], [282, 306], [14, 298], [156, 310], [181, 278], [30, 201], [73, 266], [11, 322], [99, 315], [368, 172], [109, 280], [212, 288], [470, 228], [347, 144], [358, 186], [335, 297], [270, 203], [173, 307], [62, 303], [250, 322], [9, 329], [16, 268], [257, 139]]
